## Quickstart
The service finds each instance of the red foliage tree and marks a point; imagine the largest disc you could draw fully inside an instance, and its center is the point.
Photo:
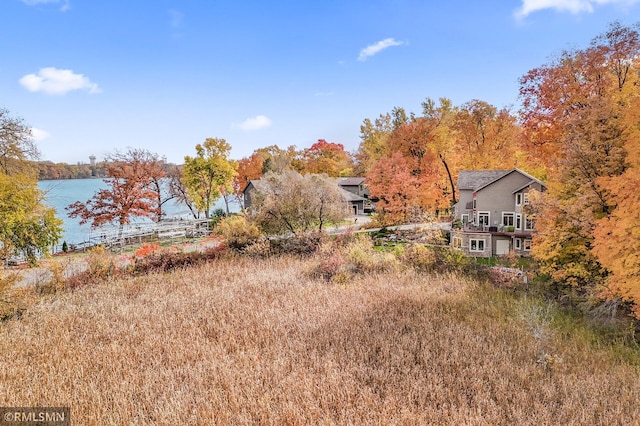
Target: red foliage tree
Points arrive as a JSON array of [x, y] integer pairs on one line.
[[129, 194], [391, 181]]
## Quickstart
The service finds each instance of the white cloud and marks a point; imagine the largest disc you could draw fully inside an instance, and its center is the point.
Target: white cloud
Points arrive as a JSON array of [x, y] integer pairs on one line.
[[378, 47], [572, 6], [54, 81], [256, 123], [39, 134], [64, 7]]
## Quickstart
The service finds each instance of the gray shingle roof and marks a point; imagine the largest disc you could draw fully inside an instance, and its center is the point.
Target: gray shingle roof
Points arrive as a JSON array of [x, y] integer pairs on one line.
[[474, 179], [349, 181]]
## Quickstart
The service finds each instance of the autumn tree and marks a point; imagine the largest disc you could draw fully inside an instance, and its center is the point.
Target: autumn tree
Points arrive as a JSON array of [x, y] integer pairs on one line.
[[28, 227], [488, 137], [374, 136], [289, 202], [129, 193], [573, 116], [395, 187], [249, 168], [209, 174], [150, 167], [327, 158], [16, 145], [616, 242], [278, 160], [179, 191]]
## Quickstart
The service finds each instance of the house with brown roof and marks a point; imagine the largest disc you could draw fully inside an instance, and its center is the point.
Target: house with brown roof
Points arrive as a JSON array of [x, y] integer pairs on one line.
[[492, 216]]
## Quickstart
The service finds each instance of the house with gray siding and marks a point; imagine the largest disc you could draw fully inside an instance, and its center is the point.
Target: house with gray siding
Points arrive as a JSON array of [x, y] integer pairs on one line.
[[353, 190], [492, 217]]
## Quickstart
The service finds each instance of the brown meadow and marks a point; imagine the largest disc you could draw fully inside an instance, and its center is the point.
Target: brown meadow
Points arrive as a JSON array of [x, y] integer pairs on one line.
[[260, 341]]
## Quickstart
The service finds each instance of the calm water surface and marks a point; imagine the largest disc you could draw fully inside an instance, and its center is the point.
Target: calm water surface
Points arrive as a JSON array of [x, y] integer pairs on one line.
[[61, 193]]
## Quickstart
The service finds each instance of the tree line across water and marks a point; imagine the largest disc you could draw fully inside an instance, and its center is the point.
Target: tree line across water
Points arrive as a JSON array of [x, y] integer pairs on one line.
[[578, 130]]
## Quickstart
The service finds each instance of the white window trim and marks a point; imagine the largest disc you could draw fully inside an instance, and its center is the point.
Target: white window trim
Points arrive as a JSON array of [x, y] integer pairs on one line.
[[464, 218], [525, 198], [519, 199], [526, 246], [478, 241], [488, 214], [513, 218], [518, 224], [517, 244], [457, 243], [526, 228]]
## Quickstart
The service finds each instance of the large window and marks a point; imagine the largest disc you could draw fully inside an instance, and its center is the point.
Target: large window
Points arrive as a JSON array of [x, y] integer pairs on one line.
[[483, 218], [508, 219], [529, 222], [476, 245]]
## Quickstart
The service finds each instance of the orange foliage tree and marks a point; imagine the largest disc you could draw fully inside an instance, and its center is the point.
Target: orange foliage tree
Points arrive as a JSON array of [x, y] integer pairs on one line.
[[617, 236], [327, 158], [128, 195], [573, 115], [392, 183], [249, 168]]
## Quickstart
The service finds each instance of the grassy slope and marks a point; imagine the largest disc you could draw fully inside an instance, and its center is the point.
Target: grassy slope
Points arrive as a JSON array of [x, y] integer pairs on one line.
[[257, 341]]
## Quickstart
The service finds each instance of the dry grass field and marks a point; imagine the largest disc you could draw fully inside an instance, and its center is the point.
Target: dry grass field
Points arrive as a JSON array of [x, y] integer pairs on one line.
[[259, 341]]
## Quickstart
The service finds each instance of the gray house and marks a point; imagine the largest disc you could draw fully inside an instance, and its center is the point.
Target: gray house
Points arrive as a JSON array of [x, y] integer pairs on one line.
[[356, 186], [493, 213], [353, 190]]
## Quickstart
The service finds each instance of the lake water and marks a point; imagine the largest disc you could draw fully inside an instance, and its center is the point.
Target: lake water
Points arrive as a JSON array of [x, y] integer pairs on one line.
[[60, 193]]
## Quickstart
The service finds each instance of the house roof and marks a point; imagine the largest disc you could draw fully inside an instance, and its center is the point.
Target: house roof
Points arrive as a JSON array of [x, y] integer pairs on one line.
[[349, 181], [350, 196], [477, 179]]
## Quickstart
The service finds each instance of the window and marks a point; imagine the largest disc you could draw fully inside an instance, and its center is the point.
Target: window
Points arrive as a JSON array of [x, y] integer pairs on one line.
[[483, 218], [529, 223], [526, 198], [476, 245], [518, 222], [518, 199], [527, 245], [508, 219], [517, 244], [464, 218], [474, 204], [457, 243]]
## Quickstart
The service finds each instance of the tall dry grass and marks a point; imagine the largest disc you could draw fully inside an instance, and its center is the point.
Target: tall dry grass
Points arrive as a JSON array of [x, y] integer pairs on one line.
[[260, 341]]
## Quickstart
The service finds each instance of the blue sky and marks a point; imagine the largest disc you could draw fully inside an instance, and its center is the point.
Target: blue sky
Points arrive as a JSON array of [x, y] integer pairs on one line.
[[94, 76]]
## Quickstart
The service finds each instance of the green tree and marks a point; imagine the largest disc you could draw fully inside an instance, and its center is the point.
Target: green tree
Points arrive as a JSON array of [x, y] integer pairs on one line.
[[27, 226], [209, 174]]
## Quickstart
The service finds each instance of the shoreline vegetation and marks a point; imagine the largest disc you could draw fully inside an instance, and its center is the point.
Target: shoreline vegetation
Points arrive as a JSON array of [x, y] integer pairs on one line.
[[317, 329]]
